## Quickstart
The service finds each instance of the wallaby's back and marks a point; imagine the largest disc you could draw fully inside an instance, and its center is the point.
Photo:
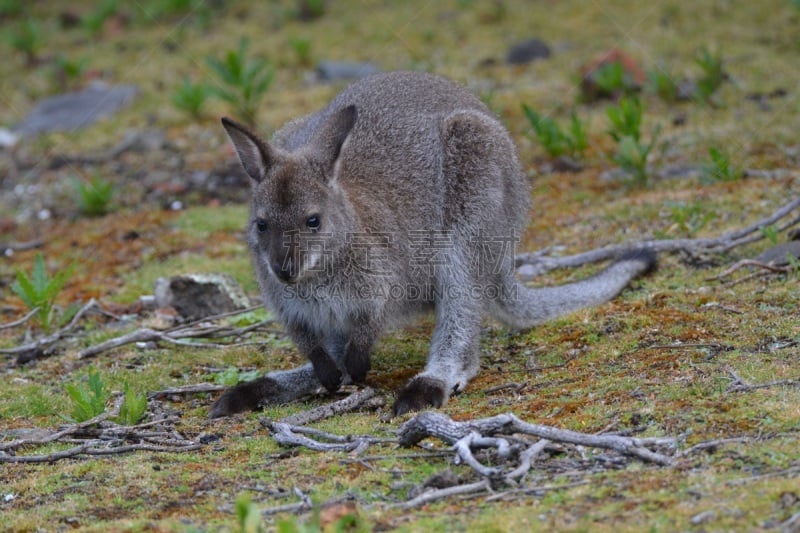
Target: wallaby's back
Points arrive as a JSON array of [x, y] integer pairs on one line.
[[394, 155]]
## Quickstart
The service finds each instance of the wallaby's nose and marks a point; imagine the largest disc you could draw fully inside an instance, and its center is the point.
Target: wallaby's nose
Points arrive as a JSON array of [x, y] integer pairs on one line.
[[283, 271]]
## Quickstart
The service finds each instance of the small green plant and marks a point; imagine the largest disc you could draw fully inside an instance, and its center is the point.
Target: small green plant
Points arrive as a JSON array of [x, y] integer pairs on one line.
[[626, 119], [39, 291], [11, 8], [626, 129], [191, 97], [348, 522], [663, 85], [248, 517], [610, 79], [27, 39], [720, 167], [554, 140], [770, 233], [93, 21], [690, 218], [310, 9], [301, 46], [244, 80], [133, 406], [68, 72], [794, 264], [713, 75], [232, 376], [88, 401], [93, 197], [631, 156]]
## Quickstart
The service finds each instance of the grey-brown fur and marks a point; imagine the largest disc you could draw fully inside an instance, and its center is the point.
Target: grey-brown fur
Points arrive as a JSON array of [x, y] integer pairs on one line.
[[405, 182]]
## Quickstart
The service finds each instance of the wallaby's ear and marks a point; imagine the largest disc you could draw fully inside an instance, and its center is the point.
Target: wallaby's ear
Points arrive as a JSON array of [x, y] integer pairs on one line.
[[255, 155], [328, 141]]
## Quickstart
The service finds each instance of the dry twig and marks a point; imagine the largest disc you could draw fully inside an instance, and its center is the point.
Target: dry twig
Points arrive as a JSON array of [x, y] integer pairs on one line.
[[42, 344], [434, 424], [539, 263], [100, 436]]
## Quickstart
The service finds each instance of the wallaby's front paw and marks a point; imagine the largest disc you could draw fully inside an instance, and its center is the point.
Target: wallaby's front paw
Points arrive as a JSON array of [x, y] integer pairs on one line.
[[356, 362], [420, 393], [325, 369], [246, 396]]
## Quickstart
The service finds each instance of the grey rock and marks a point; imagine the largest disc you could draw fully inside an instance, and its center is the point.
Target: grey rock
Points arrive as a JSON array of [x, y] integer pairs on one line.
[[196, 296], [329, 71], [70, 111], [527, 51]]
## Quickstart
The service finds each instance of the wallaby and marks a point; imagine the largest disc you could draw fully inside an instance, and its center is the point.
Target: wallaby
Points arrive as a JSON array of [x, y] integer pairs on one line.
[[404, 194]]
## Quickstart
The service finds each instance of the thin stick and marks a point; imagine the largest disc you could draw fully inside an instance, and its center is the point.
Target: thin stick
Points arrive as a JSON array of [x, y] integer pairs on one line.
[[725, 242], [20, 321], [432, 496], [356, 400]]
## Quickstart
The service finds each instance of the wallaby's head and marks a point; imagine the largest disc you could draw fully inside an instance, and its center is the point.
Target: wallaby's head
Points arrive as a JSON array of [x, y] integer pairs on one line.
[[299, 216]]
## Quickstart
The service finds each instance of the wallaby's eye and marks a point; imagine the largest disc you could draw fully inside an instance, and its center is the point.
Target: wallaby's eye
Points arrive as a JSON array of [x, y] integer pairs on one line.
[[313, 222], [261, 225]]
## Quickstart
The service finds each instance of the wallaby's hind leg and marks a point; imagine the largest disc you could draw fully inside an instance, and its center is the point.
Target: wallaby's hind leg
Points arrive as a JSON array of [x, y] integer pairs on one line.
[[453, 358], [274, 388]]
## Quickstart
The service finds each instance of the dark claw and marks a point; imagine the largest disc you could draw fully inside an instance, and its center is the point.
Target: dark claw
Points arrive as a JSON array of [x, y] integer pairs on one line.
[[420, 393], [246, 396], [325, 369]]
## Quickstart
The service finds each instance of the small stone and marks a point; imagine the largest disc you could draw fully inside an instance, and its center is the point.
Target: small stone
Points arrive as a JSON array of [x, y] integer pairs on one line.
[[702, 518], [330, 71], [196, 296], [527, 51], [70, 111]]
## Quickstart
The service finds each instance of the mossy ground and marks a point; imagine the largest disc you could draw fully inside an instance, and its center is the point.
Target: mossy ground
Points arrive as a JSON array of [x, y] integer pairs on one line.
[[608, 366]]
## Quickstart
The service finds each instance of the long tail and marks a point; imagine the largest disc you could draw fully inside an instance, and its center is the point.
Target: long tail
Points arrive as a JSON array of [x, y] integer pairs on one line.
[[522, 307]]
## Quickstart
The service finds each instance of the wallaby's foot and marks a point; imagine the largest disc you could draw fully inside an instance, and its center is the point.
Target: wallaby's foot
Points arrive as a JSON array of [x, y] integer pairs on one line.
[[356, 362], [325, 369], [246, 396], [420, 393]]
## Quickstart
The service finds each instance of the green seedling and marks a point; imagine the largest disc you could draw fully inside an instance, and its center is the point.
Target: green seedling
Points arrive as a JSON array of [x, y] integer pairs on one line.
[[713, 75], [89, 400], [553, 139], [132, 408], [302, 50], [68, 72], [690, 218], [39, 291], [611, 79], [663, 85], [720, 167], [631, 156], [93, 21], [626, 119], [11, 8], [626, 129], [93, 197], [310, 9], [27, 39], [770, 233], [244, 81], [191, 97], [232, 375], [248, 517]]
